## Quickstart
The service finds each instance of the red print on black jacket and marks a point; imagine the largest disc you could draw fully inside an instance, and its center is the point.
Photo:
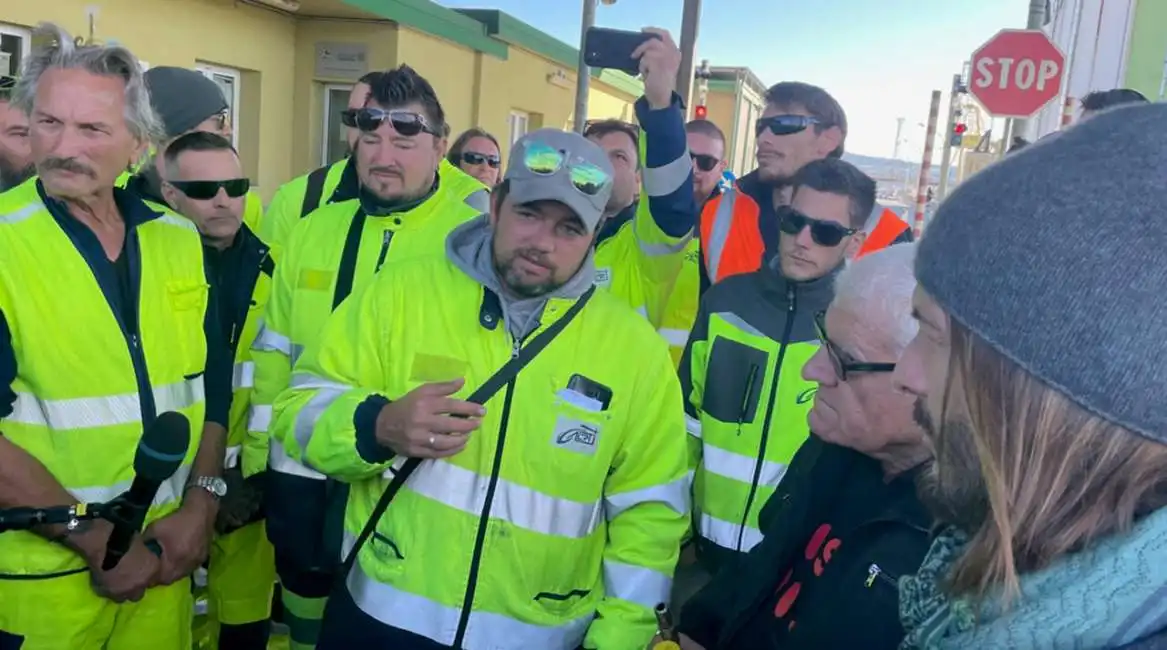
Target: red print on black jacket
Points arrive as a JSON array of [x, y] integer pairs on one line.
[[819, 551]]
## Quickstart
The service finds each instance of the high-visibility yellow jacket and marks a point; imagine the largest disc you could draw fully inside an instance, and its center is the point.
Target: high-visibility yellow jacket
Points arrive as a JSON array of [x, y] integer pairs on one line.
[[305, 287], [90, 378], [292, 201], [681, 306], [746, 400], [567, 517]]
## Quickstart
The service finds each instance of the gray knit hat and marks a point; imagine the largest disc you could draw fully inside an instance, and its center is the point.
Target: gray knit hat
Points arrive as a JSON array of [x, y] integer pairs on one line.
[[1057, 257], [183, 98]]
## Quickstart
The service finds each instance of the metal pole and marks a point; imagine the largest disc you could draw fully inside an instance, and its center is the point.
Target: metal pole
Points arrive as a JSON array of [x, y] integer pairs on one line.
[[926, 163], [690, 17], [582, 72], [1035, 21], [895, 152], [946, 154]]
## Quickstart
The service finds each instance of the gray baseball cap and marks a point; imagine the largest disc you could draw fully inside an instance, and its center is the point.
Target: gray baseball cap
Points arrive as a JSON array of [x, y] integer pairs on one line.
[[554, 165]]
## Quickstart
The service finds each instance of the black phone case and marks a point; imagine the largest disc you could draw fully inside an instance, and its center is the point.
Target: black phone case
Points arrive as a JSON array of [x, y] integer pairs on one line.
[[613, 48]]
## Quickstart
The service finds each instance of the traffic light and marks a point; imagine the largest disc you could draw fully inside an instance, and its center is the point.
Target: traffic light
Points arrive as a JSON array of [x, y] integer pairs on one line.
[[958, 131], [701, 113]]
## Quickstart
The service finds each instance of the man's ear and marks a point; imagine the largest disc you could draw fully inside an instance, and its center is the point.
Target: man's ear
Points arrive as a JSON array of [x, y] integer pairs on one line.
[[829, 140], [442, 145], [170, 195], [854, 243]]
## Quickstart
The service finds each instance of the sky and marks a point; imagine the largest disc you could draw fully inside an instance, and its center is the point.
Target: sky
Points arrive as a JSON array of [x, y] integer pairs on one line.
[[880, 58]]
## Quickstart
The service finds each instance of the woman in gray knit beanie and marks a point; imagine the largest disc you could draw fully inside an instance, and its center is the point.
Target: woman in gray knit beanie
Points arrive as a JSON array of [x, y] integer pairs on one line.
[[1040, 371]]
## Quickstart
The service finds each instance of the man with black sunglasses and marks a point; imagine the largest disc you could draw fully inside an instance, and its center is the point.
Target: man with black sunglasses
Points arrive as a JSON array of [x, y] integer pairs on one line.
[[745, 399], [800, 124], [339, 181], [185, 101], [408, 198], [845, 521], [204, 181]]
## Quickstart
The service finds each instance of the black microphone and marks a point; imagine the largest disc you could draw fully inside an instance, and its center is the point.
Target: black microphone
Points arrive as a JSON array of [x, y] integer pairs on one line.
[[160, 453]]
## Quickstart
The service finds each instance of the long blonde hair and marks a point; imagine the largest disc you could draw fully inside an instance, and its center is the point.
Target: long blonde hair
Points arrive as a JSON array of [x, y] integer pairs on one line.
[[1057, 476]]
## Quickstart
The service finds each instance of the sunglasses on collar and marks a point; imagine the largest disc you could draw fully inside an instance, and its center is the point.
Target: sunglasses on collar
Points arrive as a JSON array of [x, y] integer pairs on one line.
[[369, 119], [823, 233]]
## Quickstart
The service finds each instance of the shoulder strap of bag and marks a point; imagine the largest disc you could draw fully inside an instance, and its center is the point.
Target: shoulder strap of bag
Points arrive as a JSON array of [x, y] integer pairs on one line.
[[347, 269], [314, 190], [501, 378]]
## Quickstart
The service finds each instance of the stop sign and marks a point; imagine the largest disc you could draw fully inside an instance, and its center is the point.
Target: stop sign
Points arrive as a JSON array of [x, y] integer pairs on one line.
[[1017, 72]]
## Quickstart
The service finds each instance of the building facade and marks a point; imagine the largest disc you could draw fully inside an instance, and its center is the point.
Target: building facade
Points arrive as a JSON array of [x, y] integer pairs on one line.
[[286, 66], [1108, 44]]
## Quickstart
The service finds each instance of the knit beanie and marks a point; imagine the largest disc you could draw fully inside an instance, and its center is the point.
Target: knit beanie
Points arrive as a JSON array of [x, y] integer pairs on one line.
[[1056, 256], [183, 98]]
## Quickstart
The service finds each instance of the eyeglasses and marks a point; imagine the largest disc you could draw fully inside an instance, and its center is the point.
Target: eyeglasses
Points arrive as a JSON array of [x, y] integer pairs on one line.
[[544, 160], [824, 233], [206, 190], [704, 162], [784, 124], [472, 158], [370, 119], [843, 367]]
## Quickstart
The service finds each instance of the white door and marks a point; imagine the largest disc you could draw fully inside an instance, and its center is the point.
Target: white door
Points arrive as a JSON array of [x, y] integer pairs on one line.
[[335, 144]]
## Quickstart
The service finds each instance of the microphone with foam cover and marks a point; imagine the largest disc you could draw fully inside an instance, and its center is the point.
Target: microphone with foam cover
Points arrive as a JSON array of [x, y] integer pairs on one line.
[[160, 453]]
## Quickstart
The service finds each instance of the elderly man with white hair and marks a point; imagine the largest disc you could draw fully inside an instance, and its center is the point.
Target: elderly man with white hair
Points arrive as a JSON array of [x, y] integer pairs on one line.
[[845, 521], [106, 330]]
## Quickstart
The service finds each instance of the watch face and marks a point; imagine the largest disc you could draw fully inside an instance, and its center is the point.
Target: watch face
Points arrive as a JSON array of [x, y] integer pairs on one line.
[[218, 487]]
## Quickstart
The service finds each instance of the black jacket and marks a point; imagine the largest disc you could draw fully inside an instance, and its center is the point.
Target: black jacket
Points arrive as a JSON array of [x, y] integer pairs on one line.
[[845, 607]]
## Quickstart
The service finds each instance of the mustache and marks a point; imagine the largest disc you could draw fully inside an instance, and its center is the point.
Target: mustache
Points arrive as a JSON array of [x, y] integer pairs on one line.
[[67, 165], [392, 171]]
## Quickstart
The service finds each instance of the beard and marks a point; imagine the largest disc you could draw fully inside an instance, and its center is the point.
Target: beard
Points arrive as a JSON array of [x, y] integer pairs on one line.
[[951, 486], [11, 176]]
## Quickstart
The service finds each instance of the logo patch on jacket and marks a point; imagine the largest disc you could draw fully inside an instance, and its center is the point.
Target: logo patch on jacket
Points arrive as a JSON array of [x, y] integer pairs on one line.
[[603, 277], [575, 435]]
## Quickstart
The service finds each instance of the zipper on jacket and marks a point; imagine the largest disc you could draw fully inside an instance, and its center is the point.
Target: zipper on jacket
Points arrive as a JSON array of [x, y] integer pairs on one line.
[[790, 313], [875, 573], [384, 249], [741, 416], [484, 518]]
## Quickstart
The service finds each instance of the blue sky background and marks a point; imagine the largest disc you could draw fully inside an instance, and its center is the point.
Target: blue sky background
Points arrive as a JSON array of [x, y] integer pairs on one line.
[[880, 58]]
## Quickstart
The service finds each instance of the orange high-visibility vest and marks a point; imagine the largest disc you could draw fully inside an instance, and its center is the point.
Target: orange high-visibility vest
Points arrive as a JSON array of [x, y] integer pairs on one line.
[[889, 228], [730, 237]]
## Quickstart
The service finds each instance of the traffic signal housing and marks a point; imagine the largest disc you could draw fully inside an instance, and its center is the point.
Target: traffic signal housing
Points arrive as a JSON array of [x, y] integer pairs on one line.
[[957, 136]]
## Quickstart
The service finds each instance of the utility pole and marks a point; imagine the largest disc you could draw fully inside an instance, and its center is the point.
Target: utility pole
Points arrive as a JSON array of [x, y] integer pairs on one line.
[[895, 152], [1035, 21], [946, 152], [582, 72], [690, 17]]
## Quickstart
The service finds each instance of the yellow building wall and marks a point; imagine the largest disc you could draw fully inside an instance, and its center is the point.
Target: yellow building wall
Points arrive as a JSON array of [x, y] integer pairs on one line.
[[258, 43], [307, 136], [719, 107], [450, 69]]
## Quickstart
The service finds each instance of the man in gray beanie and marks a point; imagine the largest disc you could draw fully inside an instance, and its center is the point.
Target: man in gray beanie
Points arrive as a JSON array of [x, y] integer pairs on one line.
[[185, 101], [1039, 372]]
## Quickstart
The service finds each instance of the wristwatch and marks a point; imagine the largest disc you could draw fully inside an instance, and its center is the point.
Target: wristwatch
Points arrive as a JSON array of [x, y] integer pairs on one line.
[[214, 485]]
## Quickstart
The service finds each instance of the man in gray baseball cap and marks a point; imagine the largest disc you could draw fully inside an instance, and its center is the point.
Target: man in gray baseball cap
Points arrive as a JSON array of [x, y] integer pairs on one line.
[[537, 242]]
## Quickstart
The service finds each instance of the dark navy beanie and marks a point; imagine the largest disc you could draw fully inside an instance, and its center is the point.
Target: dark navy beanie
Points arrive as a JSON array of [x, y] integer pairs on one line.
[[1056, 256]]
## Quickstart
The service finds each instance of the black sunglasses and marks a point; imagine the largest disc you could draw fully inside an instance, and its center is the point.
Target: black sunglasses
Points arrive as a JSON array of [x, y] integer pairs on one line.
[[205, 190], [824, 233], [784, 124], [370, 119], [843, 367], [704, 162], [472, 158]]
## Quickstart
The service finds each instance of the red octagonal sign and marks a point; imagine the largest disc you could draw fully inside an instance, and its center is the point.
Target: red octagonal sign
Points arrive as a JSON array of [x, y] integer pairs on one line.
[[1017, 72]]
